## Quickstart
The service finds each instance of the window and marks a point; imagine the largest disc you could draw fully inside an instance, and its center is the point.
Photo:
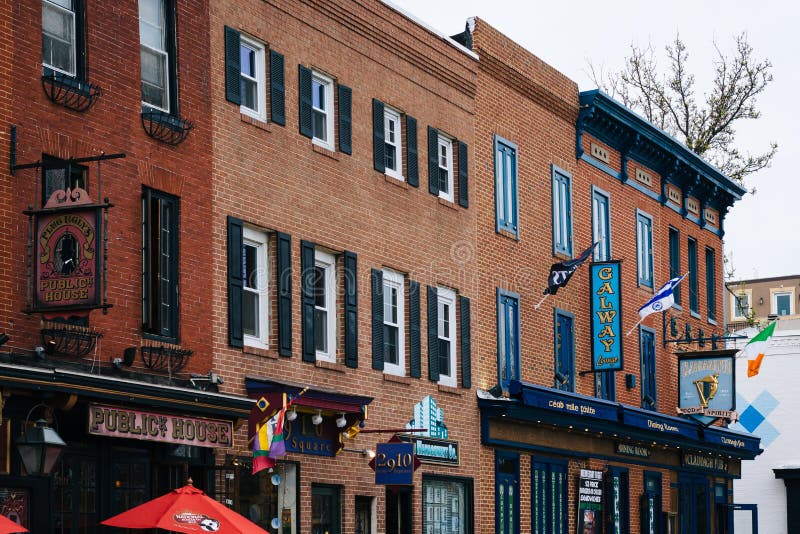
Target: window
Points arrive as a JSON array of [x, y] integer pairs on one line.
[[447, 506], [256, 497], [160, 264], [507, 337], [255, 302], [393, 323], [549, 505], [711, 284], [505, 183], [392, 143], [446, 317], [651, 507], [675, 262], [322, 109], [60, 175], [564, 351], [647, 353], [506, 492], [694, 298], [644, 249], [252, 78], [741, 305], [445, 160], [156, 38], [782, 303], [562, 212], [62, 42], [601, 225], [617, 501], [325, 305], [605, 386]]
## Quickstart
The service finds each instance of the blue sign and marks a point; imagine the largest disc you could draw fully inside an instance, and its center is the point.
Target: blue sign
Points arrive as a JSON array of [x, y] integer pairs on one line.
[[706, 385], [734, 440], [564, 402], [606, 317], [659, 424], [394, 463]]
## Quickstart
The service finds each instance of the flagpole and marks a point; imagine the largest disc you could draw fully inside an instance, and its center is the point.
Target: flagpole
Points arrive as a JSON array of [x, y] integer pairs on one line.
[[634, 326], [539, 304]]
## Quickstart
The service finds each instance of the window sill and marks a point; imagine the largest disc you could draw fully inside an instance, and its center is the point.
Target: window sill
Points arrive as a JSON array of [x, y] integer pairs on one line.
[[258, 123], [331, 366], [397, 379], [325, 151], [399, 182], [258, 351], [450, 390], [712, 322], [694, 314], [677, 307], [447, 203], [507, 233]]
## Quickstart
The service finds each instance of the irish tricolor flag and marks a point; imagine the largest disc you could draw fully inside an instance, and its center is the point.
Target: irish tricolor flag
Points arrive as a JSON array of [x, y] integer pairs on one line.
[[755, 349]]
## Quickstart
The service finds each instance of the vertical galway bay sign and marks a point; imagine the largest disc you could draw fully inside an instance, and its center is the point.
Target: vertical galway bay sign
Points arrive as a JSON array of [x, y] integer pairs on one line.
[[606, 317]]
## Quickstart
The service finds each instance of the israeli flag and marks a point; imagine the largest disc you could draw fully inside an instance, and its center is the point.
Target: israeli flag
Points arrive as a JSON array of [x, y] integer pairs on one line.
[[663, 298]]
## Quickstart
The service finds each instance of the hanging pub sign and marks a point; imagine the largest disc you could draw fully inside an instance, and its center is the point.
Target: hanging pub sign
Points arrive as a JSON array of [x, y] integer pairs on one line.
[[590, 502], [606, 317], [394, 464], [706, 384]]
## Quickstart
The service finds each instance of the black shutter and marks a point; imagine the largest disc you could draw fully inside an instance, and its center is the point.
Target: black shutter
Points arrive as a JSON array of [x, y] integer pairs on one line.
[[466, 346], [433, 161], [414, 343], [307, 275], [412, 163], [345, 120], [233, 66], [277, 88], [306, 115], [463, 175], [377, 319], [433, 335], [378, 139], [235, 282], [284, 263], [350, 309]]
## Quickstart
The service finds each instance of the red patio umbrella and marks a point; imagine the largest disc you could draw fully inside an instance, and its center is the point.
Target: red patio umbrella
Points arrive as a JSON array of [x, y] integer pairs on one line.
[[185, 509], [7, 526]]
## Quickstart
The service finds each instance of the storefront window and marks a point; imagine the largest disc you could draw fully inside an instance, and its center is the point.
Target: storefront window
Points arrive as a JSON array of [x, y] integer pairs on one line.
[[268, 499], [75, 494], [549, 498], [445, 505], [617, 504]]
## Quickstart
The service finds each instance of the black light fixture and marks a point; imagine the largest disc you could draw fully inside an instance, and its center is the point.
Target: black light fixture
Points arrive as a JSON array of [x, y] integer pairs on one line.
[[39, 446], [561, 378], [3, 338]]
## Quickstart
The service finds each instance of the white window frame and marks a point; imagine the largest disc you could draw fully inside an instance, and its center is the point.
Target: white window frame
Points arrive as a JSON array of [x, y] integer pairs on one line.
[[599, 224], [258, 239], [446, 296], [446, 143], [395, 280], [775, 292], [260, 78], [645, 270], [392, 116], [327, 261], [164, 53], [327, 83], [53, 4], [735, 316]]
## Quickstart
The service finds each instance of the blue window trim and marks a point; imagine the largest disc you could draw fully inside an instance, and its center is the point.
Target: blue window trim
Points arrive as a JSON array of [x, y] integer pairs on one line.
[[599, 193], [711, 283], [644, 281], [561, 467], [570, 384], [675, 261], [511, 226], [559, 174], [605, 385], [625, 507], [501, 335], [694, 288], [514, 457], [649, 384]]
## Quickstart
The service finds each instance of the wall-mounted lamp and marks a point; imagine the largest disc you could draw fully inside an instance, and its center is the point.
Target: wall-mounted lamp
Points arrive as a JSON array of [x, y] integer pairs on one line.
[[316, 419], [630, 380], [650, 401], [369, 453], [341, 421], [291, 415], [761, 300], [3, 338], [561, 378], [39, 446]]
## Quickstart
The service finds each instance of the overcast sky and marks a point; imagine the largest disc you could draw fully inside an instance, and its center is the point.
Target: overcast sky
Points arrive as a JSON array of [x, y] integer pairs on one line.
[[762, 234]]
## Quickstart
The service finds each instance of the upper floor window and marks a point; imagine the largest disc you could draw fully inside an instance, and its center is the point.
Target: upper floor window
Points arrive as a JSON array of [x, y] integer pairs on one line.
[[61, 36], [694, 297], [160, 264], [505, 183], [156, 37], [325, 305], [711, 284], [741, 305], [255, 302], [644, 249], [252, 78], [647, 354], [782, 302], [562, 212], [675, 262], [445, 160], [446, 315], [507, 337], [605, 386], [601, 225], [322, 109], [393, 323], [564, 365], [392, 143]]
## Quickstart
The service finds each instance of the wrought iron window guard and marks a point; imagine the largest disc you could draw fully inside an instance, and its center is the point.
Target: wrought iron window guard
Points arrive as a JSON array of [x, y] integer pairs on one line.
[[165, 357], [164, 127], [68, 92], [69, 339]]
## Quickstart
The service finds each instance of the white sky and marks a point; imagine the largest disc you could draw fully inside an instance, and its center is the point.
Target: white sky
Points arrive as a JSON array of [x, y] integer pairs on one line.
[[761, 230]]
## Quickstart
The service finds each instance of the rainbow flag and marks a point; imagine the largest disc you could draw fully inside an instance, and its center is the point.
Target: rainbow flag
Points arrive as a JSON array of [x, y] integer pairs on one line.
[[277, 447], [261, 444]]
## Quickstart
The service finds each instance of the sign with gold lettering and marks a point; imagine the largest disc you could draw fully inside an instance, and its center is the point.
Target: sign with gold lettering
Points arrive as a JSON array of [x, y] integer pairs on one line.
[[707, 386], [123, 423], [67, 259], [606, 316]]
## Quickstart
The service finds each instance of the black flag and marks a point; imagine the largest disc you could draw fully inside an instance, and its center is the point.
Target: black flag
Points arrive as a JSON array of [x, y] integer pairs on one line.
[[561, 272]]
